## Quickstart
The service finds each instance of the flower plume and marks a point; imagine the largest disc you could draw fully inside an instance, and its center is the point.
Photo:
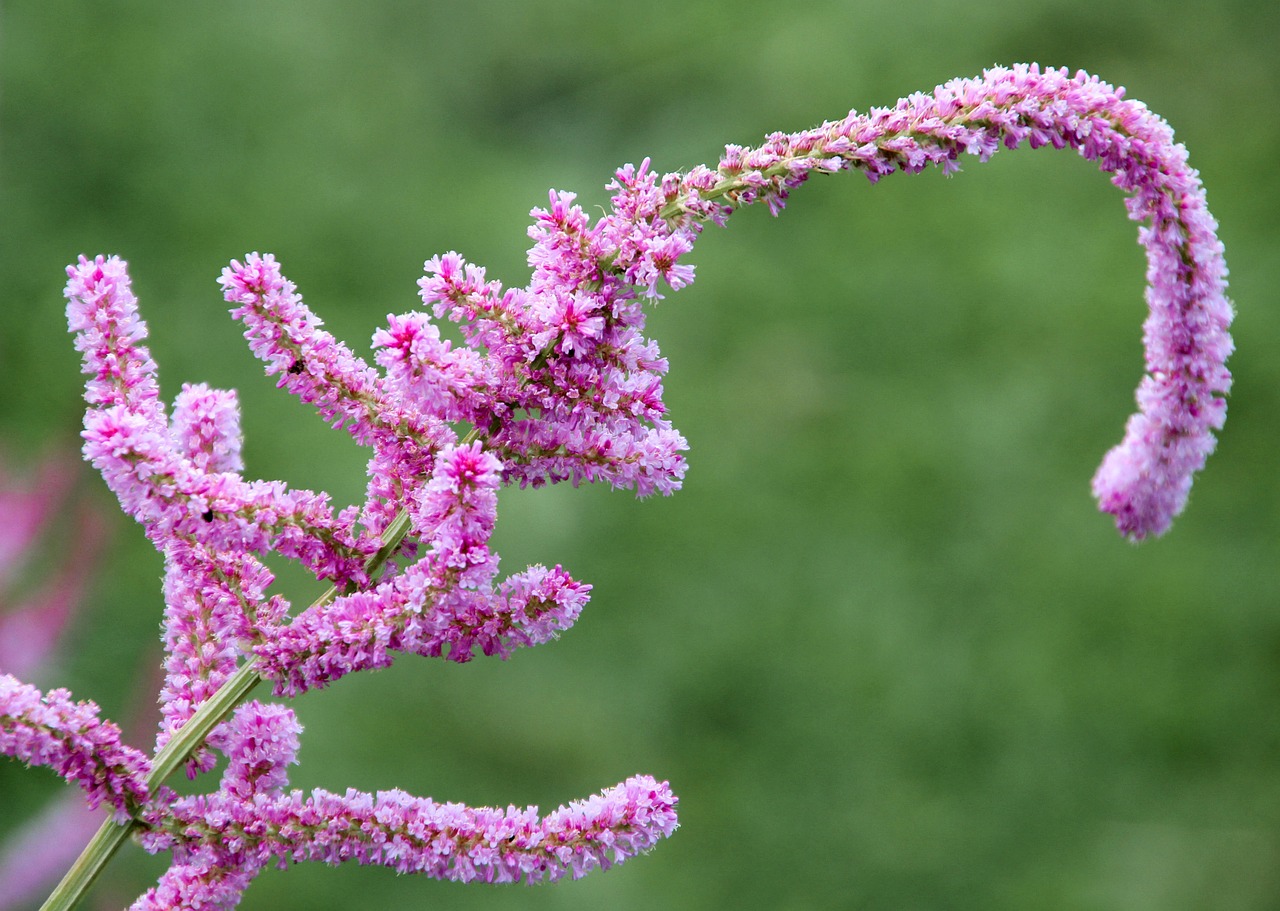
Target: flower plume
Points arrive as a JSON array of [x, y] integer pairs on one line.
[[551, 382]]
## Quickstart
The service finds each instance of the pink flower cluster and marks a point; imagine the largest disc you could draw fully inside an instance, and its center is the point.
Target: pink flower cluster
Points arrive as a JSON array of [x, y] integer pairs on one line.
[[439, 594], [51, 730], [220, 841], [556, 382], [1145, 480]]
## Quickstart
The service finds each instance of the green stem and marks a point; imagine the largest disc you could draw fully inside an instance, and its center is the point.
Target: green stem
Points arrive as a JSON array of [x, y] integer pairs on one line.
[[111, 835], [108, 839], [84, 872]]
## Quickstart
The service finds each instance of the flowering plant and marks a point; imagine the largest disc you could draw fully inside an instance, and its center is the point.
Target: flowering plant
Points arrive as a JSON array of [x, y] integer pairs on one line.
[[551, 382]]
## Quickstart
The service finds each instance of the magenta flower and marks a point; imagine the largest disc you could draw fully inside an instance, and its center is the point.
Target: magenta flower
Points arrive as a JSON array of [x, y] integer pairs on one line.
[[49, 729], [1145, 480], [551, 382], [416, 835]]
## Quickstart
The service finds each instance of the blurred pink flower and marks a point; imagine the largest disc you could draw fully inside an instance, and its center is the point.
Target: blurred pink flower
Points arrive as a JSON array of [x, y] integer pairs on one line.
[[33, 510]]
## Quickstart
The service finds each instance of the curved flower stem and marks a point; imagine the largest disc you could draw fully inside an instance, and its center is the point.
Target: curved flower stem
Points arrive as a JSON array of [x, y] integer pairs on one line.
[[111, 835]]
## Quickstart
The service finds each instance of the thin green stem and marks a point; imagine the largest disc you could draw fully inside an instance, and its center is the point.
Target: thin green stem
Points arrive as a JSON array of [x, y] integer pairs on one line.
[[88, 866], [77, 882]]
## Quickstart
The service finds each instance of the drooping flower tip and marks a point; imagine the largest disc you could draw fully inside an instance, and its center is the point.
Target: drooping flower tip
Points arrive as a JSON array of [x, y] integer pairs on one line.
[[1145, 480]]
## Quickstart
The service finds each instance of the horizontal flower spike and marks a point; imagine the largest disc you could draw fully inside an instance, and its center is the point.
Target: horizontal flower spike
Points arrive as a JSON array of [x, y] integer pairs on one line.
[[528, 609], [1145, 480], [50, 730], [645, 459], [418, 835], [422, 611]]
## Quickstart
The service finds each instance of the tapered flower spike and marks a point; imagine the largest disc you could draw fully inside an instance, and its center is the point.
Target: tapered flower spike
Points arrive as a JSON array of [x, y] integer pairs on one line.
[[51, 730], [417, 835], [313, 365], [216, 607], [206, 428], [103, 314], [1143, 482], [422, 611]]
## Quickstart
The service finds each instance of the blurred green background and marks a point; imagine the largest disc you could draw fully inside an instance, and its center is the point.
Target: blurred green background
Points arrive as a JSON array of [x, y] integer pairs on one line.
[[882, 645]]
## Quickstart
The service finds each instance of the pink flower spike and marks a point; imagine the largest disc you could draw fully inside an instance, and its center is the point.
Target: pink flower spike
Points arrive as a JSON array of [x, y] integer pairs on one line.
[[171, 497], [457, 509], [428, 371], [48, 729], [216, 607], [202, 880], [261, 742], [312, 364], [422, 611], [103, 314], [1143, 482], [558, 383], [206, 428], [417, 835]]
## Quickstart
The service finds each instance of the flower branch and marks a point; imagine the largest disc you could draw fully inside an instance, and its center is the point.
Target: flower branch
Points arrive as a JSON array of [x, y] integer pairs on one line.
[[558, 383]]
